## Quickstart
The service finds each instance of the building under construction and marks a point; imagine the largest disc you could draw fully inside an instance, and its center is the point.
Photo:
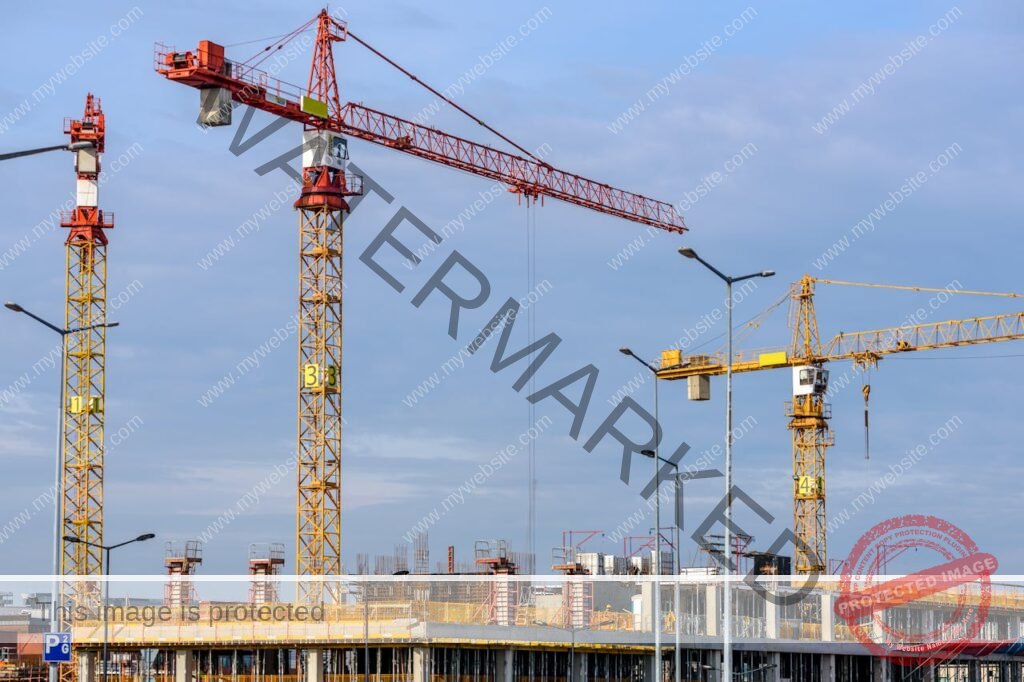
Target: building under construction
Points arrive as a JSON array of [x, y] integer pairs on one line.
[[413, 628]]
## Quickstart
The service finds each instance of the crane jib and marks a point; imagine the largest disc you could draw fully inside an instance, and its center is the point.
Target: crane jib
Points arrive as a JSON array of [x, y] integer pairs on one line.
[[207, 70]]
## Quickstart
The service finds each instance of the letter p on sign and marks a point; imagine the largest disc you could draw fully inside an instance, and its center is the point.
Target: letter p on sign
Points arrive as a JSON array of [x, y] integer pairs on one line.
[[57, 647]]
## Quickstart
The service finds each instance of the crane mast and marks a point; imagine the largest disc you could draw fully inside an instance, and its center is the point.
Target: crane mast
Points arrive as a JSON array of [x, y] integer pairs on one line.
[[84, 364], [321, 206], [808, 421]]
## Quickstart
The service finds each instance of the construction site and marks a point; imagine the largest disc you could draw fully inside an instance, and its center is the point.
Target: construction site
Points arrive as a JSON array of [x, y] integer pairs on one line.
[[602, 605]]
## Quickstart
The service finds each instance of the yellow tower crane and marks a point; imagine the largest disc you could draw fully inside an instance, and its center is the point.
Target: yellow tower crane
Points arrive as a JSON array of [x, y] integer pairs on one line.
[[809, 412], [84, 362]]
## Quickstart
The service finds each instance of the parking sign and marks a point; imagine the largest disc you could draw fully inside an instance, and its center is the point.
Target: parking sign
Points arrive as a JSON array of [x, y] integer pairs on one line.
[[57, 647]]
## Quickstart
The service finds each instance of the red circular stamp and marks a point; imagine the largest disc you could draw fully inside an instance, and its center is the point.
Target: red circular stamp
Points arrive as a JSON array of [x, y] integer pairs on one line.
[[932, 614]]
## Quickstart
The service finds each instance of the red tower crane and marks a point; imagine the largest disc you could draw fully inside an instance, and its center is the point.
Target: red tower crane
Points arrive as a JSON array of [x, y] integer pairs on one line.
[[321, 204]]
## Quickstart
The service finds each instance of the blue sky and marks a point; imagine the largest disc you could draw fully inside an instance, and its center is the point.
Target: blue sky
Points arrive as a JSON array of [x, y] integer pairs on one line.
[[954, 103]]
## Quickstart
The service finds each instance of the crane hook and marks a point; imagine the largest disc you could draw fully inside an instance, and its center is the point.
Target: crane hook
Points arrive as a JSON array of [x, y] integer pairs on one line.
[[866, 390]]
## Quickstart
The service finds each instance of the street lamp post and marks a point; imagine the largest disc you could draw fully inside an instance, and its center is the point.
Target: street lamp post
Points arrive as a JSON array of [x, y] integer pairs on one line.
[[727, 600], [58, 496], [677, 658], [106, 583], [656, 569]]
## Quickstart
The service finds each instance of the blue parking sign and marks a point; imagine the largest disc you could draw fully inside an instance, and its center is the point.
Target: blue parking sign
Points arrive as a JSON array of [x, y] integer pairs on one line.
[[57, 647]]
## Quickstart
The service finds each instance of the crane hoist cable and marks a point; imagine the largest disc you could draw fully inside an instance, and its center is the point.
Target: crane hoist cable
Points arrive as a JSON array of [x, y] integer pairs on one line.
[[752, 324], [531, 207], [756, 320], [264, 54], [276, 38]]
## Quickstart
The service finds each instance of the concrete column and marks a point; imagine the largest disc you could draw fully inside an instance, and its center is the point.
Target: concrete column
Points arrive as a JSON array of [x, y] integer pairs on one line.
[[502, 594], [828, 617], [86, 666], [184, 666], [646, 607], [711, 609], [716, 662], [771, 619], [420, 665], [772, 674], [314, 665], [650, 674], [828, 667], [879, 669], [503, 665], [877, 633], [579, 667]]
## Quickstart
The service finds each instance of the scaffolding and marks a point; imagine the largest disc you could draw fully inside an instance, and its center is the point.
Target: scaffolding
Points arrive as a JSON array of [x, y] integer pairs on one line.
[[181, 558], [714, 546], [494, 555], [577, 595], [265, 560]]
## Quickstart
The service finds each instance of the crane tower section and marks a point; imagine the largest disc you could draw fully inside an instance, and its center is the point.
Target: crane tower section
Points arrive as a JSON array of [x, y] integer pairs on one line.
[[85, 356], [321, 206], [808, 414]]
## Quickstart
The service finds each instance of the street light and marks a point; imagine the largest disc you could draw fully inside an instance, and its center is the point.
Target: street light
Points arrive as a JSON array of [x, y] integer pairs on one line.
[[106, 583], [71, 147], [677, 658], [656, 570], [727, 601], [57, 494]]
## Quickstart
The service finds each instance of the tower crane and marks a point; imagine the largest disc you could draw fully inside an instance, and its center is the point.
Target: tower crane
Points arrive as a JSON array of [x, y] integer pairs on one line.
[[808, 412], [321, 204], [85, 351], [79, 489]]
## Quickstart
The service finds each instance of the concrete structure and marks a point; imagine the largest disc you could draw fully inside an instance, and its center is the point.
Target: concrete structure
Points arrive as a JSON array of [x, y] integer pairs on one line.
[[423, 630]]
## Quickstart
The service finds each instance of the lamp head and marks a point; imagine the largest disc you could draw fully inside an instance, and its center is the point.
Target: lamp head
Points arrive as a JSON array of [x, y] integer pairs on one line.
[[71, 539], [145, 536], [688, 252], [625, 351], [11, 305], [768, 273], [647, 453]]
